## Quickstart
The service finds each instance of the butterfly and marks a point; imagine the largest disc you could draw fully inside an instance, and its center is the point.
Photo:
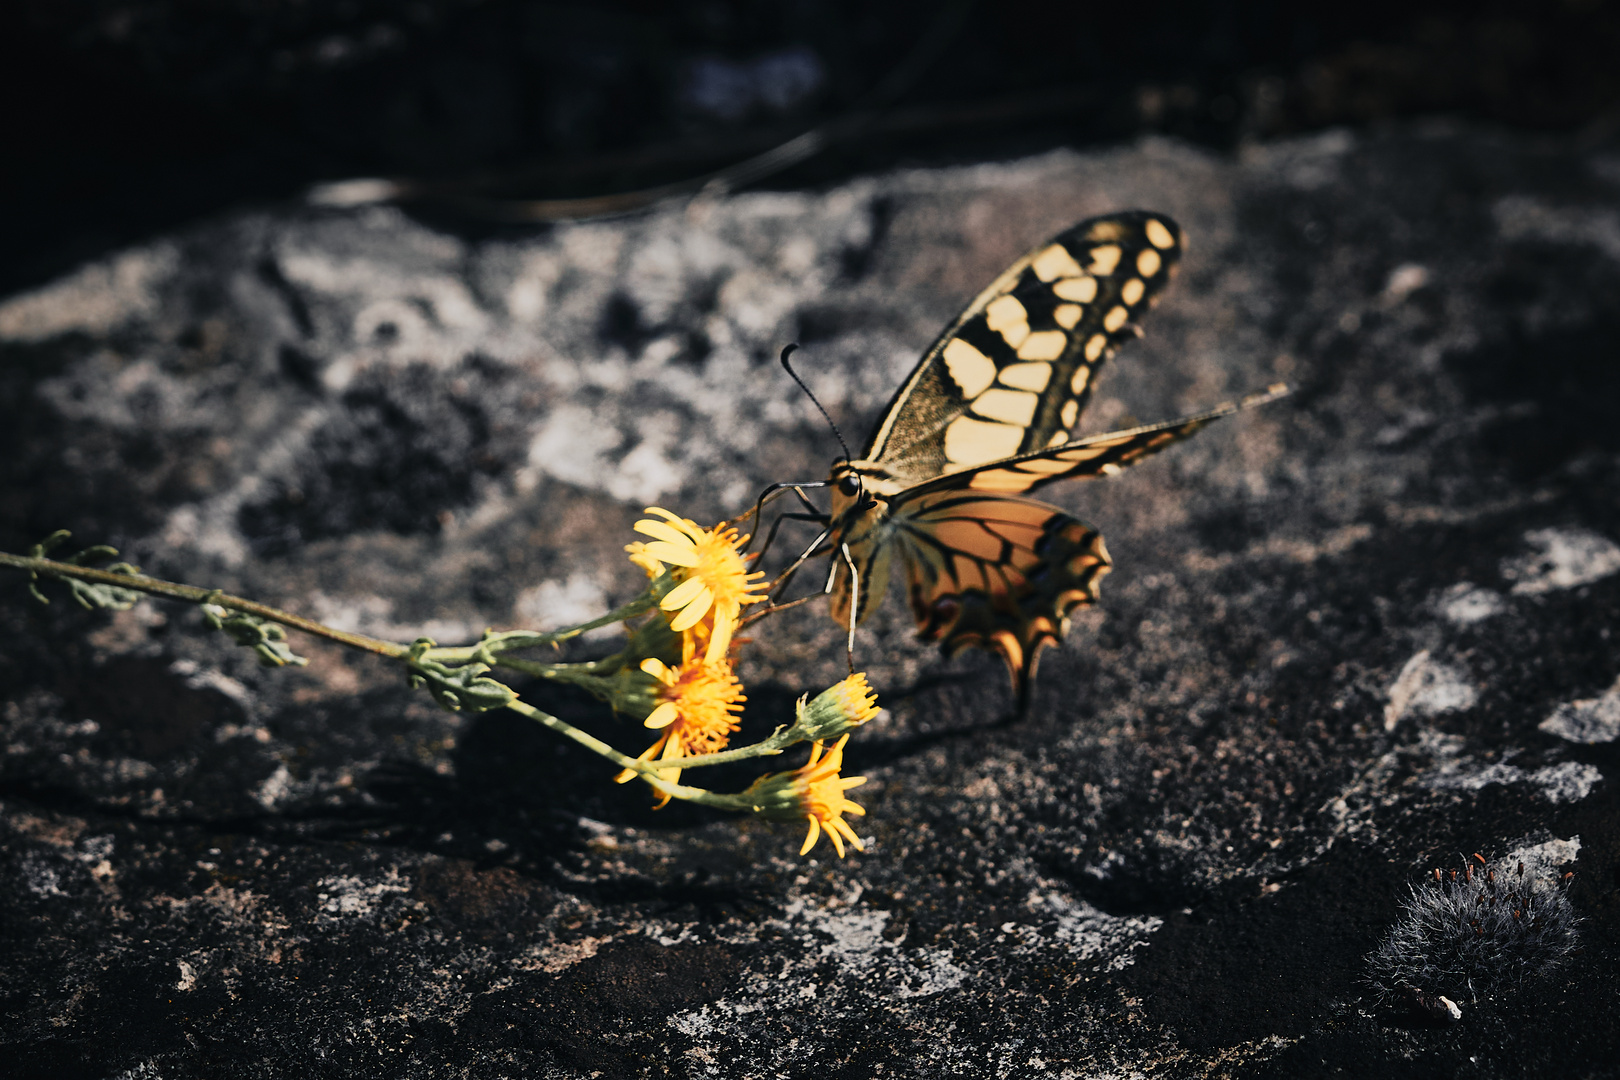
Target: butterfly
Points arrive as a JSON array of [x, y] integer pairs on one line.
[[983, 420]]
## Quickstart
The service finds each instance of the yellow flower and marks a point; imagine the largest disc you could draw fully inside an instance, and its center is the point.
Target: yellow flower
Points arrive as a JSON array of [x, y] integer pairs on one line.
[[821, 798], [712, 575], [694, 713]]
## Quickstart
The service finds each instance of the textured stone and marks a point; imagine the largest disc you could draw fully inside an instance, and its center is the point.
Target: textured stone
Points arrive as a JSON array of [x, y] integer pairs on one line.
[[1175, 865]]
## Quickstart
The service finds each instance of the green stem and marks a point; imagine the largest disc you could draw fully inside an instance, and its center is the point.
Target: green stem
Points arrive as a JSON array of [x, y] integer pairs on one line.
[[770, 746], [563, 672], [196, 595], [394, 651], [647, 769], [496, 643]]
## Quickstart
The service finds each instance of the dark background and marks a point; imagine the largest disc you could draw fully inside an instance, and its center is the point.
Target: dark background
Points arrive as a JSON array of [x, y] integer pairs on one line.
[[127, 117]]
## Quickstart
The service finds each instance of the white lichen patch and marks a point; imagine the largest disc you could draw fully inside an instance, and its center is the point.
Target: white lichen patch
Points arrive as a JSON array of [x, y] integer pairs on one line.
[[274, 789], [373, 615], [1563, 559], [1521, 217], [855, 940], [1592, 720], [94, 300], [554, 605], [1426, 687], [40, 875], [344, 896], [553, 958], [1545, 856], [1090, 934], [843, 959], [1566, 782], [1465, 604]]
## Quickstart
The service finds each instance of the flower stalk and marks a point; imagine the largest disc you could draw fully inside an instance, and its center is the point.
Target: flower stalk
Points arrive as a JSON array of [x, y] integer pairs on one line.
[[675, 672]]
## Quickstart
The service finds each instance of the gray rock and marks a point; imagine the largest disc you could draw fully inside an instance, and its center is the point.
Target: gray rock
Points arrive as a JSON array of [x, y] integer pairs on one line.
[[1175, 865]]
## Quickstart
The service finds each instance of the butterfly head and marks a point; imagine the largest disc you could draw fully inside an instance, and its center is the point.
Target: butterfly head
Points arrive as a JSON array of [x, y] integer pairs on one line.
[[858, 489]]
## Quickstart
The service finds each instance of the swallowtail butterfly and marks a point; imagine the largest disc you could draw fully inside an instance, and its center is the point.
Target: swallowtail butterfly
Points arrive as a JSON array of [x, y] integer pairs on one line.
[[983, 420]]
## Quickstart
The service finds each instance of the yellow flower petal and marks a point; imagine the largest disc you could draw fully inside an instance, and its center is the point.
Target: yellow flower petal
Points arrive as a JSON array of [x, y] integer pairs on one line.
[[725, 624], [695, 610], [664, 551], [683, 594], [663, 716], [663, 530], [811, 838], [676, 520], [655, 667], [839, 825]]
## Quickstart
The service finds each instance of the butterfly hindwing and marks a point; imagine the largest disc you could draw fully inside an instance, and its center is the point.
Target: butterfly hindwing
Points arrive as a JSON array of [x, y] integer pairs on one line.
[[996, 572], [1015, 369]]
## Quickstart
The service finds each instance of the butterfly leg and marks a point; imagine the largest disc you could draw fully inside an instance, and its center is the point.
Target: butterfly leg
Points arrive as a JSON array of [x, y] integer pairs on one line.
[[810, 552], [770, 494], [854, 602], [770, 537]]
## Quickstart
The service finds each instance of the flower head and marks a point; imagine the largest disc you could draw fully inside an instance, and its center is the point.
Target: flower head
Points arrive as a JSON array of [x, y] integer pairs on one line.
[[814, 793], [834, 711], [694, 714], [713, 582]]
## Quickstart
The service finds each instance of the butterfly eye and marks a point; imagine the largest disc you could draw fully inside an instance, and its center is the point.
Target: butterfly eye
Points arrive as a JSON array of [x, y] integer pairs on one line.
[[849, 486]]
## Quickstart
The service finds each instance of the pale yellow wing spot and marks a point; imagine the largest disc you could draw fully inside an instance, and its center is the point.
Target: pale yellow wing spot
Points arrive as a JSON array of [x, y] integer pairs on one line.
[[1004, 311], [1007, 406], [1104, 259], [1015, 334], [1026, 376], [999, 480], [1132, 291], [969, 441], [1115, 319], [1066, 315], [1158, 235], [1148, 262], [1071, 409], [1110, 469], [1058, 437], [1082, 290], [1046, 345], [972, 370], [1046, 466], [1055, 262], [1095, 346], [1077, 385]]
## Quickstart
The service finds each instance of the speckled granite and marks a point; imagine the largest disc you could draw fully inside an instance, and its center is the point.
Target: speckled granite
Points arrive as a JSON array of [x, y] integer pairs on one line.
[[1350, 637]]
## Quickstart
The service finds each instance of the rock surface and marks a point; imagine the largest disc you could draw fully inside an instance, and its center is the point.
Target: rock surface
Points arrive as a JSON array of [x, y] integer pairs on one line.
[[1350, 638]]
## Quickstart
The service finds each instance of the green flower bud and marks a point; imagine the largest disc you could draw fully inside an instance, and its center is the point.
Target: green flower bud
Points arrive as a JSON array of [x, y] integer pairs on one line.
[[839, 709]]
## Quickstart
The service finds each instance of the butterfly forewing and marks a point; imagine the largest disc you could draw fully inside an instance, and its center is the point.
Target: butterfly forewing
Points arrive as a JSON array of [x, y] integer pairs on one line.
[[1013, 372], [1098, 455]]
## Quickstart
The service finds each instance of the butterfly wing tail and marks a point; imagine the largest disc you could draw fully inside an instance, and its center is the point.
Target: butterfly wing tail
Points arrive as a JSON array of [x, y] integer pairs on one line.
[[1104, 455]]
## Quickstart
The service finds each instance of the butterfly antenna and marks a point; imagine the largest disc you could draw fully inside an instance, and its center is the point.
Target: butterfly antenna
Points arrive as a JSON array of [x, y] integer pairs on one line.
[[787, 352]]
